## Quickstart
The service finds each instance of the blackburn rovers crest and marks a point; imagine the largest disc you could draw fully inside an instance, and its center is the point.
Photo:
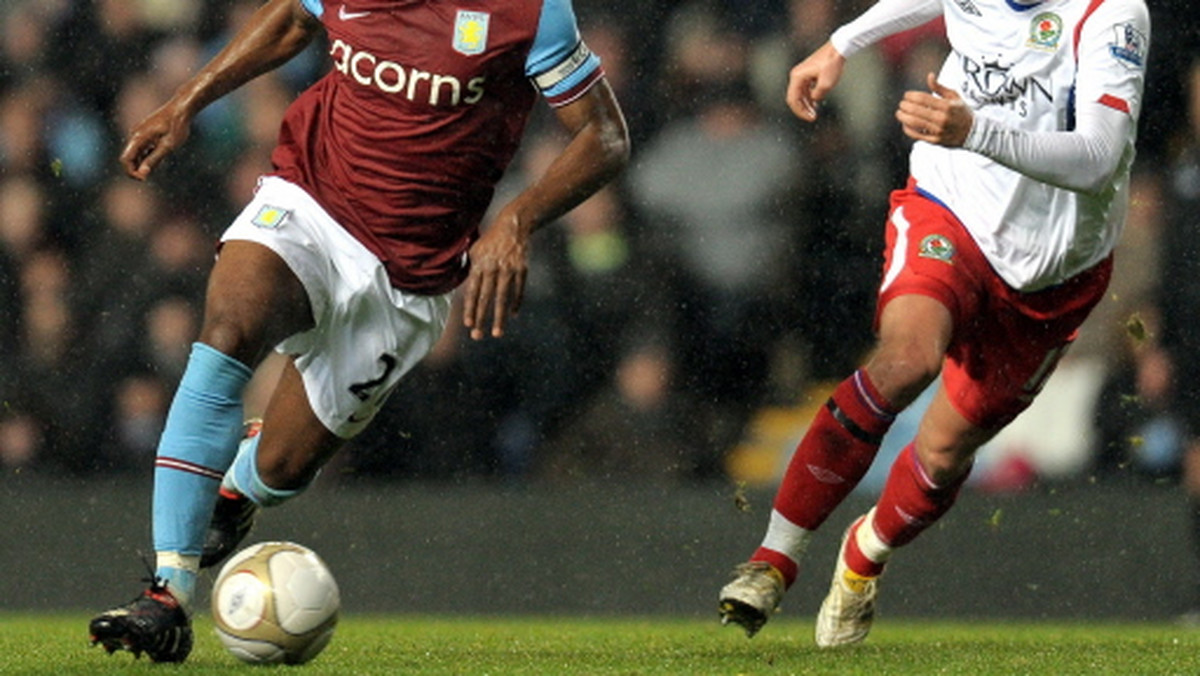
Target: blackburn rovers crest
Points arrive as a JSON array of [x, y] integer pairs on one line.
[[937, 247], [470, 32], [1045, 31]]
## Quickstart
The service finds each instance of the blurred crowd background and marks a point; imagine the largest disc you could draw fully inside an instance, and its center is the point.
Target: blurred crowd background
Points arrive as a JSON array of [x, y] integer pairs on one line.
[[676, 326]]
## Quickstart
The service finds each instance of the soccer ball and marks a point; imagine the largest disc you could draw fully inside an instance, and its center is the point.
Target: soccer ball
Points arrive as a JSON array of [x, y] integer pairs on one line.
[[275, 602]]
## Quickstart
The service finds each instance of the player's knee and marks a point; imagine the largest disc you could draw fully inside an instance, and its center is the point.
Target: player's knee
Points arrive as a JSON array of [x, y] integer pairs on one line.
[[229, 337], [902, 372]]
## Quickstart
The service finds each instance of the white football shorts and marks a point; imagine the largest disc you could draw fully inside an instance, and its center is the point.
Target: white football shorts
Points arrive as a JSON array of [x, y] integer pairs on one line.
[[368, 334]]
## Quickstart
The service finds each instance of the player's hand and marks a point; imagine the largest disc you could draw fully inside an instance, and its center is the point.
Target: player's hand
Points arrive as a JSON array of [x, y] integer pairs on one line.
[[496, 284], [938, 116], [811, 80], [153, 138]]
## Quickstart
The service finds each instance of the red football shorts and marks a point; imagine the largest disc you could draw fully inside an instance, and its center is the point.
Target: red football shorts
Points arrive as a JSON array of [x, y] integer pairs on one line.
[[1006, 343]]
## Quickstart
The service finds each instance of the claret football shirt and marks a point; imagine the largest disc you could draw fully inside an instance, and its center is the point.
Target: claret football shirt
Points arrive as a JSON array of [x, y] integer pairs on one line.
[[405, 138]]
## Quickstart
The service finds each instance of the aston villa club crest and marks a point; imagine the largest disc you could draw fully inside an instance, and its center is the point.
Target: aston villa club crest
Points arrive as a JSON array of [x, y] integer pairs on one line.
[[937, 247], [1045, 30], [270, 217], [471, 32]]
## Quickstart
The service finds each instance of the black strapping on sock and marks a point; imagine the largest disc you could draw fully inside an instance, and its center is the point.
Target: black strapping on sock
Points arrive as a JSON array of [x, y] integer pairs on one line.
[[852, 427]]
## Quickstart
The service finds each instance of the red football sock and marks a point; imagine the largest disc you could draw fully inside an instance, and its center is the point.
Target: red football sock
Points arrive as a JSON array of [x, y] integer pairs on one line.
[[910, 502], [855, 559], [834, 455]]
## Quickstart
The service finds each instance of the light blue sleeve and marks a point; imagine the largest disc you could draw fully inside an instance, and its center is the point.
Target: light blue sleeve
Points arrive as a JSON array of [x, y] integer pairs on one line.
[[314, 7], [557, 47]]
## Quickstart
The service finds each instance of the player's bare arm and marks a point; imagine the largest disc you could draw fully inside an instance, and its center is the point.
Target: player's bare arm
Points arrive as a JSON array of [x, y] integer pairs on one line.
[[811, 80], [598, 150], [278, 31], [937, 116]]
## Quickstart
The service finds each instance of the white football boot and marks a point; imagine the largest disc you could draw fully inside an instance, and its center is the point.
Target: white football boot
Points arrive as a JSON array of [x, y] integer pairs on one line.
[[752, 596], [849, 609]]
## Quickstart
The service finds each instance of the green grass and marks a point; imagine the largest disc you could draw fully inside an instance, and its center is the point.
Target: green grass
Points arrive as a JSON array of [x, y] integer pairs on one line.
[[57, 644]]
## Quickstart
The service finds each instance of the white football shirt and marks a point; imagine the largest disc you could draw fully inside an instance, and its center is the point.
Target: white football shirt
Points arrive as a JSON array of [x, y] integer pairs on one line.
[[1042, 183]]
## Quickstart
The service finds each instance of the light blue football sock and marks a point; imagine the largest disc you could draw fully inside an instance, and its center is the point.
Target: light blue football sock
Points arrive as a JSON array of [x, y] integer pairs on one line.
[[197, 445], [179, 578], [248, 446], [244, 478]]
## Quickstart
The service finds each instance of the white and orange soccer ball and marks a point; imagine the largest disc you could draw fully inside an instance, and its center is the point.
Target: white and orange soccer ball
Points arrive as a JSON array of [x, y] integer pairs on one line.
[[275, 602]]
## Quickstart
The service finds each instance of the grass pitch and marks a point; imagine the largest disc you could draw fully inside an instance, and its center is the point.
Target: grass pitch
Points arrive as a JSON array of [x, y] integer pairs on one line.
[[57, 644]]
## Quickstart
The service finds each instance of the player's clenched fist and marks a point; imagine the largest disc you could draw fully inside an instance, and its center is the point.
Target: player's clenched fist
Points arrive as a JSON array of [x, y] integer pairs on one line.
[[937, 116]]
